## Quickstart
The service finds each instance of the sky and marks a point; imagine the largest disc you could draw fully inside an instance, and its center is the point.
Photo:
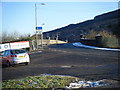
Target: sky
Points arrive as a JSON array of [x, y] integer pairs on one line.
[[20, 16]]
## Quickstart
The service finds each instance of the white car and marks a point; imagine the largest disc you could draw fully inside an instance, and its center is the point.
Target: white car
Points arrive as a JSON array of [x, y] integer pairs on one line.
[[15, 56]]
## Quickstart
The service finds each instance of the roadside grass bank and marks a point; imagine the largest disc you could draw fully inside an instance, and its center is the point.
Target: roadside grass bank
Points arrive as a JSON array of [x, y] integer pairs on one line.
[[107, 39], [57, 81], [42, 81]]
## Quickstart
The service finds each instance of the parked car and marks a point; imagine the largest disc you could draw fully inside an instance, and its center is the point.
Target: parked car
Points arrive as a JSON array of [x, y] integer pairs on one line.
[[15, 56]]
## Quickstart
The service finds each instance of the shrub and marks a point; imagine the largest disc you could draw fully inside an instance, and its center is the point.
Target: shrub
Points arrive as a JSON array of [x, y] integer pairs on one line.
[[107, 40]]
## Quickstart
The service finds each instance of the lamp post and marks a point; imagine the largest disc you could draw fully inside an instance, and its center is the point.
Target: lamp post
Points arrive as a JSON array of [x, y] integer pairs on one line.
[[36, 26], [42, 36]]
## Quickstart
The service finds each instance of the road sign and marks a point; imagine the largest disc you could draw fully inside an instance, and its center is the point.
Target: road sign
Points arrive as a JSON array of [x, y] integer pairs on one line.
[[38, 28]]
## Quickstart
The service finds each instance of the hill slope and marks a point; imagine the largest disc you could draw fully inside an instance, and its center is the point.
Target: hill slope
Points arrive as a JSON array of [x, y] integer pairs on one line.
[[108, 21]]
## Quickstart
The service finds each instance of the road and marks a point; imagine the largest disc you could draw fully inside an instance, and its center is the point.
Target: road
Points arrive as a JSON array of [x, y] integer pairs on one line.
[[65, 59]]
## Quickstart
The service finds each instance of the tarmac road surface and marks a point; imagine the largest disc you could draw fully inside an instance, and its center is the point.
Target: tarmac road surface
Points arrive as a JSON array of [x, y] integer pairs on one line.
[[65, 59]]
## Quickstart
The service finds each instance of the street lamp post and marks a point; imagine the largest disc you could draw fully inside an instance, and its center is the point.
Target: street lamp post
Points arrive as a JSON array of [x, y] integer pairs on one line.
[[36, 28]]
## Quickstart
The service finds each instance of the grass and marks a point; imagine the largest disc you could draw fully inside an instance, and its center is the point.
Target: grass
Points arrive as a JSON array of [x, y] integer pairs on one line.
[[42, 81]]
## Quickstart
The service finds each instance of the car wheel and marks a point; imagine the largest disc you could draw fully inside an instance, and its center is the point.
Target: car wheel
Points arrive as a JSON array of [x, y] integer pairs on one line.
[[26, 63], [8, 64]]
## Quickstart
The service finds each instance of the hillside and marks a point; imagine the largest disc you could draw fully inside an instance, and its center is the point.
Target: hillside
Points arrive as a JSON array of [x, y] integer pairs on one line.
[[107, 21]]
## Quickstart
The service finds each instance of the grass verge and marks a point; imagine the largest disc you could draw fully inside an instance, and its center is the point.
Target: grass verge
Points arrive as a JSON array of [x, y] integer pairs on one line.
[[42, 81]]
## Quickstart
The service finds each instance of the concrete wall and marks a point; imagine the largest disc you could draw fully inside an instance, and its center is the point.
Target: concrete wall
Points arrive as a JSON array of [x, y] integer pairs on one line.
[[47, 42]]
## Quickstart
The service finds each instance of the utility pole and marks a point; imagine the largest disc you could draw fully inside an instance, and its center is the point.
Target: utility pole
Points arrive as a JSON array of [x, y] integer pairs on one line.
[[36, 26]]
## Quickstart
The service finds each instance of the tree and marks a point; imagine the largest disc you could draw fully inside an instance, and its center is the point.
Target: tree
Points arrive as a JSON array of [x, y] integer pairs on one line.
[[14, 36]]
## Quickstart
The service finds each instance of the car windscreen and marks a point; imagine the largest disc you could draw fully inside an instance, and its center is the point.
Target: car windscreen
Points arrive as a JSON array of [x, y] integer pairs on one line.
[[17, 51]]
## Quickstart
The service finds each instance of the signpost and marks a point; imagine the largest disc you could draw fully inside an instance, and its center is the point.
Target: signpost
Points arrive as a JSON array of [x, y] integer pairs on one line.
[[39, 30]]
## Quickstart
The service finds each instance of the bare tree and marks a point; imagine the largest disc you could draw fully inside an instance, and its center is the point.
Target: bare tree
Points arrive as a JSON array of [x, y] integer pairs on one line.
[[6, 37], [13, 36]]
